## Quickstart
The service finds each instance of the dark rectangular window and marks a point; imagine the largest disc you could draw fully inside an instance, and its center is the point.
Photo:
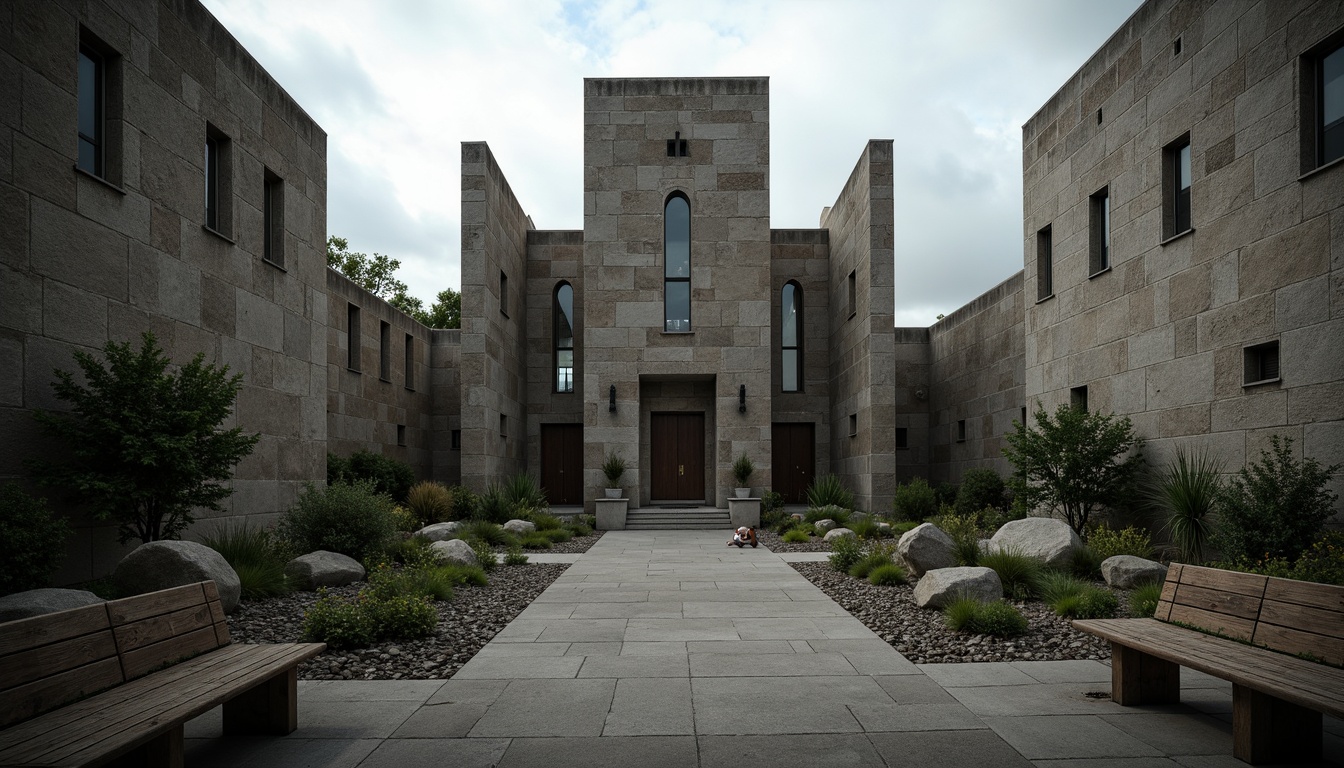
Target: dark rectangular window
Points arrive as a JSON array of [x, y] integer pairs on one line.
[[352, 337], [273, 211], [1324, 91], [902, 437], [410, 362], [503, 425], [677, 264], [455, 440], [218, 182], [401, 434], [384, 351], [1261, 363], [1078, 398], [961, 431], [1176, 195], [1024, 415], [503, 294], [853, 293], [853, 424], [92, 117], [1100, 260], [1045, 265]]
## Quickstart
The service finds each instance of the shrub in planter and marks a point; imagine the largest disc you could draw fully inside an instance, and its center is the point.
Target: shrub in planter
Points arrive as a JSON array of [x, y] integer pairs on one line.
[[32, 541], [345, 517], [742, 470]]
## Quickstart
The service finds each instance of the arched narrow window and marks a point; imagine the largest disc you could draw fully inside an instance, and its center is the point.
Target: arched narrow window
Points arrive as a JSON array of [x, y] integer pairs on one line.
[[677, 264], [562, 324], [791, 336]]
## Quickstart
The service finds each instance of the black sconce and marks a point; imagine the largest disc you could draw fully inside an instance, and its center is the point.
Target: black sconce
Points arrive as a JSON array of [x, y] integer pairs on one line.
[[612, 399], [741, 398]]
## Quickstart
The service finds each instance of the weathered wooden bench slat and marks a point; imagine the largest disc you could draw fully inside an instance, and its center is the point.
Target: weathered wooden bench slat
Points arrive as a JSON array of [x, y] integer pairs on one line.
[[41, 695], [23, 634], [158, 628], [1232, 626], [142, 661], [1213, 601], [76, 652], [140, 607], [1302, 593], [1250, 584], [1328, 649]]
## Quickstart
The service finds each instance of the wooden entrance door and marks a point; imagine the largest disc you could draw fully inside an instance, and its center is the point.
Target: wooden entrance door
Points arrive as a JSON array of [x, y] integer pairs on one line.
[[677, 456], [792, 460], [562, 463]]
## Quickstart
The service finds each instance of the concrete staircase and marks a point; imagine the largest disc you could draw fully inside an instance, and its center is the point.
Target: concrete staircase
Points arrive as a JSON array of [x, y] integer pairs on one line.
[[690, 519]]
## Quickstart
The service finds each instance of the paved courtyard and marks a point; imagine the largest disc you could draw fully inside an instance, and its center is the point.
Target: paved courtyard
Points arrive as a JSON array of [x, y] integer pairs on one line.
[[668, 648]]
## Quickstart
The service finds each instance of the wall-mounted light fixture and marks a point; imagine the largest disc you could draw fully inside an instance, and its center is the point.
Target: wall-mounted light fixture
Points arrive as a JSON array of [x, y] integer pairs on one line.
[[741, 398], [612, 399]]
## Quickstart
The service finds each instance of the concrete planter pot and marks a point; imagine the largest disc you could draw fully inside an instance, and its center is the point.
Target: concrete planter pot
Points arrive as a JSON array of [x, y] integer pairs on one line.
[[742, 493], [613, 493]]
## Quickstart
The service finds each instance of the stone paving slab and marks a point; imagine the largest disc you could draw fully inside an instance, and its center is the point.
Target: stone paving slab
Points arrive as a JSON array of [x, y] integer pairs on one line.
[[669, 649]]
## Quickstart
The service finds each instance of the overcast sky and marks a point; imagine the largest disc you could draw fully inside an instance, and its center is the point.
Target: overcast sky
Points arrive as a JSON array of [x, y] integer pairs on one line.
[[399, 84]]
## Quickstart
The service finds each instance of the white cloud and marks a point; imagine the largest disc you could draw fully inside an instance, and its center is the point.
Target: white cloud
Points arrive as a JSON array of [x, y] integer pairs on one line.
[[399, 85]]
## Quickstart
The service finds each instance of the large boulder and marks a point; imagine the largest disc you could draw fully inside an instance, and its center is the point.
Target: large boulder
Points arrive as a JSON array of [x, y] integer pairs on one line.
[[940, 587], [439, 531], [925, 548], [164, 564], [323, 569], [824, 525], [35, 602], [839, 533], [1128, 571], [454, 551], [520, 527], [1050, 541]]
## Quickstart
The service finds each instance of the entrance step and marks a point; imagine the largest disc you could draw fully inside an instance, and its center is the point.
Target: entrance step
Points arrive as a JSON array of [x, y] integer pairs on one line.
[[688, 519]]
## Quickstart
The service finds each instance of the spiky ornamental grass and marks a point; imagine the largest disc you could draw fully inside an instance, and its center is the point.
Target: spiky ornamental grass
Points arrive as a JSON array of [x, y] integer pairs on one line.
[[829, 491], [1185, 491]]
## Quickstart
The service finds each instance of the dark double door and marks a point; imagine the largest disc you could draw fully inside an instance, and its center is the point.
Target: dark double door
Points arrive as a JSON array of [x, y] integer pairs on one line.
[[792, 460], [562, 463], [677, 457]]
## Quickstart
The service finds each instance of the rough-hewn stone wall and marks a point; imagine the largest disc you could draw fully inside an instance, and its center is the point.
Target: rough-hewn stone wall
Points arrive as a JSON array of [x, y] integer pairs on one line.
[[802, 255], [1161, 335], [553, 257], [84, 260], [374, 405], [913, 401], [445, 361]]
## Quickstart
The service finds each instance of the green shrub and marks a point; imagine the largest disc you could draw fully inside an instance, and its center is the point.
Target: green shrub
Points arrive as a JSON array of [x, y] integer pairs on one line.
[[1130, 541], [485, 555], [32, 541], [998, 618], [980, 488], [407, 617], [915, 501], [1323, 563], [429, 502], [557, 535], [1185, 492], [494, 505], [486, 531], [515, 556], [1056, 585], [465, 502], [338, 623], [867, 528], [344, 517], [965, 534], [386, 474], [771, 503], [845, 552], [872, 559], [797, 536], [887, 575], [337, 468], [411, 550], [613, 469], [829, 491], [545, 521], [1091, 603], [579, 529], [465, 574], [1275, 507], [946, 494], [1085, 562], [839, 514], [1018, 572], [534, 540], [256, 555], [1143, 600]]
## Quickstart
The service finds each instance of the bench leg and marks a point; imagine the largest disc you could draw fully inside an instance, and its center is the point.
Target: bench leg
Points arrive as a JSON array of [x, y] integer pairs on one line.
[[1138, 678], [1270, 730], [270, 707], [162, 752]]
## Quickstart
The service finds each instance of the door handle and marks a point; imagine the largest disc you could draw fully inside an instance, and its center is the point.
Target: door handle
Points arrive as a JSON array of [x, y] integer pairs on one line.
[[681, 469]]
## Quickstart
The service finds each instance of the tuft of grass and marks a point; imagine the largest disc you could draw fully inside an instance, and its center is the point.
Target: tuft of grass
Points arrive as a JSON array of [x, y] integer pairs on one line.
[[579, 529], [839, 514], [485, 555], [535, 540], [257, 555], [845, 552], [1092, 603], [1085, 562], [556, 535], [869, 562], [429, 502], [1143, 600], [1186, 491], [796, 536], [998, 618], [1018, 572], [829, 491], [486, 531], [887, 575], [546, 522], [515, 556], [1053, 586]]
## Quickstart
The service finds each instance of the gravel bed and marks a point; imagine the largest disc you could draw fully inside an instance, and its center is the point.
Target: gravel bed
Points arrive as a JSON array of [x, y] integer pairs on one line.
[[923, 638], [466, 624], [575, 546], [775, 543]]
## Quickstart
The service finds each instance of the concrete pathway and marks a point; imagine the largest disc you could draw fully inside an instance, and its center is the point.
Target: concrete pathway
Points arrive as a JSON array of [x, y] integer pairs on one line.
[[666, 648]]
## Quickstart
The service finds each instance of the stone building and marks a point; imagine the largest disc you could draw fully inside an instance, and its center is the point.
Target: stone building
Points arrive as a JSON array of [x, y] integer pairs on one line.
[[1183, 265]]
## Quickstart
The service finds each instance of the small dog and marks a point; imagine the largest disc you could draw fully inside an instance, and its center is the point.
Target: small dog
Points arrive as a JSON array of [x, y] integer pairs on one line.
[[743, 536]]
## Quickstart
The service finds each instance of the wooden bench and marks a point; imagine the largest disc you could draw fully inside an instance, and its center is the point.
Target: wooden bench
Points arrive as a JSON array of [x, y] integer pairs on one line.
[[117, 681], [1272, 636]]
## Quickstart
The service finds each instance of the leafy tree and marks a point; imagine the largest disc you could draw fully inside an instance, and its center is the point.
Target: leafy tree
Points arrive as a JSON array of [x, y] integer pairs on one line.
[[142, 445], [1275, 507], [1076, 462], [377, 274]]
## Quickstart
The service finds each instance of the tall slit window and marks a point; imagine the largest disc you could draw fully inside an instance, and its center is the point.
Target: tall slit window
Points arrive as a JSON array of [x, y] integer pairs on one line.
[[1330, 99], [791, 337], [677, 264], [273, 214], [92, 118], [1177, 203], [1101, 232], [563, 325], [1045, 265]]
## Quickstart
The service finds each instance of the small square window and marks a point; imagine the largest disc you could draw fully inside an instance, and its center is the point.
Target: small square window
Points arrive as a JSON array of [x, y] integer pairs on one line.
[[961, 431], [1078, 398], [1261, 364], [1176, 188], [1045, 265], [678, 147], [902, 438], [401, 434], [455, 440], [1100, 257], [503, 294], [853, 424]]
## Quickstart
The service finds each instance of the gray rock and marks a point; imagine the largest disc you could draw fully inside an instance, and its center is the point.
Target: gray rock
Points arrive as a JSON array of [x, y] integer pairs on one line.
[[520, 527], [1048, 540], [884, 527], [36, 602], [439, 531], [839, 533], [825, 525], [323, 569], [940, 587], [1128, 571], [798, 516], [925, 548], [163, 564], [454, 551]]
